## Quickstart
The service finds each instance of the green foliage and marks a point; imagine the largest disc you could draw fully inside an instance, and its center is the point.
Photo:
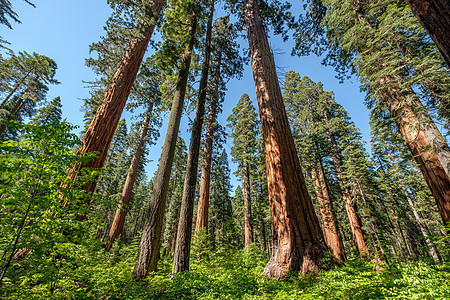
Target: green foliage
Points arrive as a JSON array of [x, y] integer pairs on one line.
[[201, 246], [37, 229]]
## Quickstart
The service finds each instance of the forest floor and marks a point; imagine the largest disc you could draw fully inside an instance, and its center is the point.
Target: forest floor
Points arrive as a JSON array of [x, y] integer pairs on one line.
[[231, 275]]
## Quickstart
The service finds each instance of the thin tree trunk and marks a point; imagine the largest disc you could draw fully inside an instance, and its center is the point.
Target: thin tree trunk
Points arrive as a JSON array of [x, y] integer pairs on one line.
[[298, 243], [326, 211], [246, 185], [149, 246], [15, 88], [431, 249], [350, 207], [205, 179], [434, 15], [101, 130], [122, 209], [183, 246]]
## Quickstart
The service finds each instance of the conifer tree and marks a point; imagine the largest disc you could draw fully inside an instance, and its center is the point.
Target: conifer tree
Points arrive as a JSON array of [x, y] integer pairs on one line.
[[388, 66], [305, 104], [146, 89], [174, 196], [226, 63], [149, 248], [244, 132], [101, 130], [223, 228], [183, 244], [434, 15], [49, 113], [293, 216]]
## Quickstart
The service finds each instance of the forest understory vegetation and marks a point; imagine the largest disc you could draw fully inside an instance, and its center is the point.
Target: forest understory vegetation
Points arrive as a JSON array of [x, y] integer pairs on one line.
[[93, 273]]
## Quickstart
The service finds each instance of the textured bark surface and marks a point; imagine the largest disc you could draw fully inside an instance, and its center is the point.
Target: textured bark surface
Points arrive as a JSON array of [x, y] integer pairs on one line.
[[434, 15], [350, 207], [326, 211], [149, 247], [205, 179], [247, 228], [298, 242], [429, 149], [101, 130], [122, 209], [183, 244]]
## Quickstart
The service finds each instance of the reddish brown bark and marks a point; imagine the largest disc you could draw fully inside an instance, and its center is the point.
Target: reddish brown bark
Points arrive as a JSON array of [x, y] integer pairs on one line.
[[434, 15], [429, 148], [298, 242], [205, 179], [247, 228], [101, 130], [122, 209], [323, 198], [423, 139], [350, 207], [183, 245]]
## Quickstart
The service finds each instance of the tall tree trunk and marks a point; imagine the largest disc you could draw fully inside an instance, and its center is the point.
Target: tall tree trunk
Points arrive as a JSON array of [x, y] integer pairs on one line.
[[298, 242], [149, 246], [246, 185], [183, 246], [323, 198], [122, 209], [205, 179], [434, 15], [429, 149], [350, 207], [101, 130]]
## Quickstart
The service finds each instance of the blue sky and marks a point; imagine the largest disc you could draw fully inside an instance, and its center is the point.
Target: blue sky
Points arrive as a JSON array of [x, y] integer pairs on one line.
[[63, 31]]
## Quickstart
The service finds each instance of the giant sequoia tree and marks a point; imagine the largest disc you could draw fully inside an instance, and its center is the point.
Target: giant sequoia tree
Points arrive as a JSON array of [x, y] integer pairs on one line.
[[389, 67], [434, 15], [298, 243], [100, 132]]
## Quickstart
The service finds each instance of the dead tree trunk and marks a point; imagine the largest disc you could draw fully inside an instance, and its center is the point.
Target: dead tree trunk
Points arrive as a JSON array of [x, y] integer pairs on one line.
[[149, 246], [434, 15], [298, 242], [183, 245], [121, 212], [101, 130]]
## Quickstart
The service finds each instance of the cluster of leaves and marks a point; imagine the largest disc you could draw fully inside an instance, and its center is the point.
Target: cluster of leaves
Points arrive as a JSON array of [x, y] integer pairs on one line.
[[38, 232]]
